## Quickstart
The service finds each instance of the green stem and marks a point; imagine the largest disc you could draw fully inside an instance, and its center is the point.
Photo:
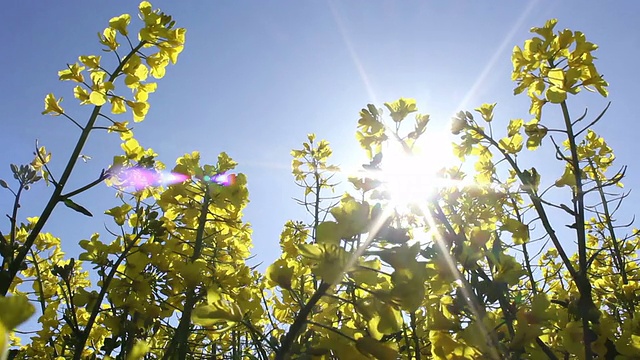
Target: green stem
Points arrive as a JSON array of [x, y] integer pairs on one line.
[[257, 337], [467, 290], [537, 204], [301, 319], [14, 267], [414, 335], [14, 216], [100, 179], [525, 251], [41, 298], [103, 292], [585, 303], [181, 336], [605, 207]]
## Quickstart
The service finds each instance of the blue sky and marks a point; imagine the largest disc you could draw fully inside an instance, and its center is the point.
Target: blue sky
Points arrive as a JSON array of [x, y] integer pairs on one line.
[[256, 77]]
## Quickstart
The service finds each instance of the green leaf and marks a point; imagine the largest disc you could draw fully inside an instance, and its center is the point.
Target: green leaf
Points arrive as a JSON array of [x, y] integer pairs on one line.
[[4, 340], [393, 235], [15, 310], [72, 205], [531, 179], [139, 350], [389, 319], [535, 133]]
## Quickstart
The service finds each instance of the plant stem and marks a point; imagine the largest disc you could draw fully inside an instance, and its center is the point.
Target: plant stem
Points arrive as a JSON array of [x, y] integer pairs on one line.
[[618, 257], [297, 325], [14, 215], [103, 292], [14, 267], [585, 303], [100, 179], [537, 204], [181, 336], [414, 335]]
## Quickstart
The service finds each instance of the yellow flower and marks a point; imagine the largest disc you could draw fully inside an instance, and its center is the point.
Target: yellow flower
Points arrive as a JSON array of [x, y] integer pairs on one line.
[[139, 110], [143, 90], [120, 23], [117, 105], [121, 127], [486, 110], [158, 62], [280, 273], [81, 94], [100, 88], [52, 106], [135, 75], [108, 38], [90, 61], [174, 44], [74, 72]]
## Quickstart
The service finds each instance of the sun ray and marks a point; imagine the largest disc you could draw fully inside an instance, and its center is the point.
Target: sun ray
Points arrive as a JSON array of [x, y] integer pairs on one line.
[[451, 264], [498, 53], [352, 52]]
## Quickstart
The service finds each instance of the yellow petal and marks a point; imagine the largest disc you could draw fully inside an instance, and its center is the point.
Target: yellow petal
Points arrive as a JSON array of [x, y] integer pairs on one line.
[[97, 98], [120, 23], [52, 105], [556, 95]]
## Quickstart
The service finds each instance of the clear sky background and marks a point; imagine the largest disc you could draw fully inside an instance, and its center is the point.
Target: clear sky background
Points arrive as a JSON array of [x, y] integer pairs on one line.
[[257, 76]]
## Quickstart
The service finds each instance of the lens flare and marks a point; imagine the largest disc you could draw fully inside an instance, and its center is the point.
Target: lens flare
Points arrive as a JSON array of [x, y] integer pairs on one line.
[[223, 179], [139, 178]]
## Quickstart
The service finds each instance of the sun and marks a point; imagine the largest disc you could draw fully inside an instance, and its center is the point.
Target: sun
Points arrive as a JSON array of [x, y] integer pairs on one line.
[[411, 177]]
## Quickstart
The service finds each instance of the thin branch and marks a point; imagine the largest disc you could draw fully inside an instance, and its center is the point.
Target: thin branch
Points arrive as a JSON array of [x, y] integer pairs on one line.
[[594, 121]]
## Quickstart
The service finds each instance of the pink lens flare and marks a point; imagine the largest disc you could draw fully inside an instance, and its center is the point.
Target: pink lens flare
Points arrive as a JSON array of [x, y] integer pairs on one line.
[[140, 178], [223, 179], [173, 178]]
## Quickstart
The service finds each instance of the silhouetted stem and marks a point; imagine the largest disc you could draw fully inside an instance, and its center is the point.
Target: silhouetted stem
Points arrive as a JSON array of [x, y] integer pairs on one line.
[[414, 333], [100, 179], [585, 303], [103, 292], [181, 336], [537, 204], [619, 259], [14, 215], [301, 319], [14, 267]]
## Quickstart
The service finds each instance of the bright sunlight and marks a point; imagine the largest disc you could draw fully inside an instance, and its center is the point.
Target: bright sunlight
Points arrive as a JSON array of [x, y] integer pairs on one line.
[[411, 176]]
